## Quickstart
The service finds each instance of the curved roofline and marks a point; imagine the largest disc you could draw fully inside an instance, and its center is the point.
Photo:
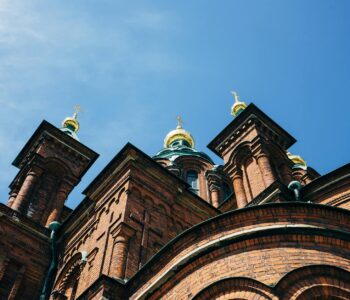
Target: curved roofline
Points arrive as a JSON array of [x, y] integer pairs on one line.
[[195, 153], [255, 233]]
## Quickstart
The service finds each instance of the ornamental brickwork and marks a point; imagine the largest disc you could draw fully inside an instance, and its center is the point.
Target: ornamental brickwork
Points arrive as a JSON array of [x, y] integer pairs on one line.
[[263, 225]]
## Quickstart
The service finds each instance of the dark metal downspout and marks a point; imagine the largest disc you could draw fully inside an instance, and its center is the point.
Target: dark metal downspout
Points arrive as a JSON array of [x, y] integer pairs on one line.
[[296, 186], [45, 292]]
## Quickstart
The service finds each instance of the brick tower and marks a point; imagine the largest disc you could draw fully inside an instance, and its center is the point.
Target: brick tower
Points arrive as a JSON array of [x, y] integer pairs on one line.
[[254, 150], [51, 164]]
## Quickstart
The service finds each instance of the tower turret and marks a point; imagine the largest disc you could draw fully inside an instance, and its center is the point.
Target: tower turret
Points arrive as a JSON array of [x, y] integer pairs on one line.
[[51, 164], [253, 148], [70, 125]]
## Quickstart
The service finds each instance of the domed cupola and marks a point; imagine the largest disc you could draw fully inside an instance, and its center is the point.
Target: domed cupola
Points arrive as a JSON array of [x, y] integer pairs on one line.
[[179, 142], [238, 106], [178, 136], [70, 125], [195, 167]]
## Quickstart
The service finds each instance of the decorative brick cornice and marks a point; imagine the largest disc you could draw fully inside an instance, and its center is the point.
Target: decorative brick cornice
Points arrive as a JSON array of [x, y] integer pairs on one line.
[[48, 132], [24, 222], [251, 116]]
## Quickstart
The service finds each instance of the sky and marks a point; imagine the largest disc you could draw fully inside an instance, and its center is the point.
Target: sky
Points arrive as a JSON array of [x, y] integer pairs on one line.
[[135, 65]]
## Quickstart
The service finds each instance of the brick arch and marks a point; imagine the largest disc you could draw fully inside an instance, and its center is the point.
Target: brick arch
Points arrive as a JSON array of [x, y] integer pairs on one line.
[[315, 282], [240, 154], [263, 242], [323, 292], [57, 166], [280, 163], [69, 275], [199, 165], [236, 288], [189, 161]]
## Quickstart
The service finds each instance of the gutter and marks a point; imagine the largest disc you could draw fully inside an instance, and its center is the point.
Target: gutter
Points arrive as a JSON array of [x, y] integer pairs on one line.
[[296, 186], [45, 292]]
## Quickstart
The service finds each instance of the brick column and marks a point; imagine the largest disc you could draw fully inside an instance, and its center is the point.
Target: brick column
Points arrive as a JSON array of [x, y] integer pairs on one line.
[[265, 168], [25, 190], [12, 197], [238, 187], [215, 196], [58, 203], [121, 237], [214, 182], [286, 173]]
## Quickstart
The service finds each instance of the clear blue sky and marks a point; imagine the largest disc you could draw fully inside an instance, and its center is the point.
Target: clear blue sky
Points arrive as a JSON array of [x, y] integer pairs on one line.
[[135, 65]]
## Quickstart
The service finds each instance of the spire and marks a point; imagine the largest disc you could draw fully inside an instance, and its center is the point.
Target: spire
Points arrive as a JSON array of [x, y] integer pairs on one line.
[[70, 125], [179, 134], [238, 106]]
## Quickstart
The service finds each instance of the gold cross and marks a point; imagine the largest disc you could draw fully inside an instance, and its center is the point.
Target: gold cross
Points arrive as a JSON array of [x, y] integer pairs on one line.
[[179, 122], [77, 109], [235, 95]]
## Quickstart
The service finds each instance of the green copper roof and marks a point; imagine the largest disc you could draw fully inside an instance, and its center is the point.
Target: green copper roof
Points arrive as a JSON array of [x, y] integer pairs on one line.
[[180, 148]]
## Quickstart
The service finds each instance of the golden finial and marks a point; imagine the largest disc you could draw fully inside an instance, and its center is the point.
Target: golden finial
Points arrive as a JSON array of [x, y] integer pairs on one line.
[[72, 122], [179, 122], [178, 134], [298, 161], [238, 106]]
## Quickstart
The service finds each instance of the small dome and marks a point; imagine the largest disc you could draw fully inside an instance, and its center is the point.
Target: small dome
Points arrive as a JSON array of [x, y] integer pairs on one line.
[[179, 134], [179, 142], [238, 106], [71, 123], [298, 161]]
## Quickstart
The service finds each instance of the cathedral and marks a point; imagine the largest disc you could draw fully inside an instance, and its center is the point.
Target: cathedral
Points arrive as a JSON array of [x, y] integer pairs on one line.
[[263, 225]]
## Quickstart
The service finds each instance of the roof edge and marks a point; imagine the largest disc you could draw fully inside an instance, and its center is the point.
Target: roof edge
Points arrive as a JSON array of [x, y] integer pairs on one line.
[[245, 114]]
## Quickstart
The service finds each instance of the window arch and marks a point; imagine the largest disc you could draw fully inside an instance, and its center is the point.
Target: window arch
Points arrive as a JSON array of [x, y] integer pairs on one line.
[[226, 191], [67, 282], [192, 180], [236, 288]]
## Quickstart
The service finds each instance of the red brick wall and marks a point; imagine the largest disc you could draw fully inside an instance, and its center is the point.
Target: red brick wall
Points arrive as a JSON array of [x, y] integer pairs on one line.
[[235, 245], [128, 222], [24, 256], [253, 181]]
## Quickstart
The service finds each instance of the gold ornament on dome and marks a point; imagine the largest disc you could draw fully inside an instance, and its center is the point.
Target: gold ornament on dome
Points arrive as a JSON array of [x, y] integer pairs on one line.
[[238, 106], [178, 134], [297, 160], [72, 122]]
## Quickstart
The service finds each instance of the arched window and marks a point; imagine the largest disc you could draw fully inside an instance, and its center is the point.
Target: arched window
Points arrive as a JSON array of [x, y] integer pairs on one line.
[[192, 180]]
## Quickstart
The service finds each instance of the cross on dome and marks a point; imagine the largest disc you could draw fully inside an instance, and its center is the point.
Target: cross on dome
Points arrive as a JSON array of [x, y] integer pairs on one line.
[[238, 106], [179, 134]]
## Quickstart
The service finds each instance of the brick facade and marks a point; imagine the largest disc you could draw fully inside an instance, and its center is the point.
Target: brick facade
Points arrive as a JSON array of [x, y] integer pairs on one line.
[[176, 226]]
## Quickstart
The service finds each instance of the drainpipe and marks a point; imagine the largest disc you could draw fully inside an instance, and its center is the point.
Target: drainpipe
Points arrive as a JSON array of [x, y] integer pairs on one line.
[[295, 186], [45, 292]]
